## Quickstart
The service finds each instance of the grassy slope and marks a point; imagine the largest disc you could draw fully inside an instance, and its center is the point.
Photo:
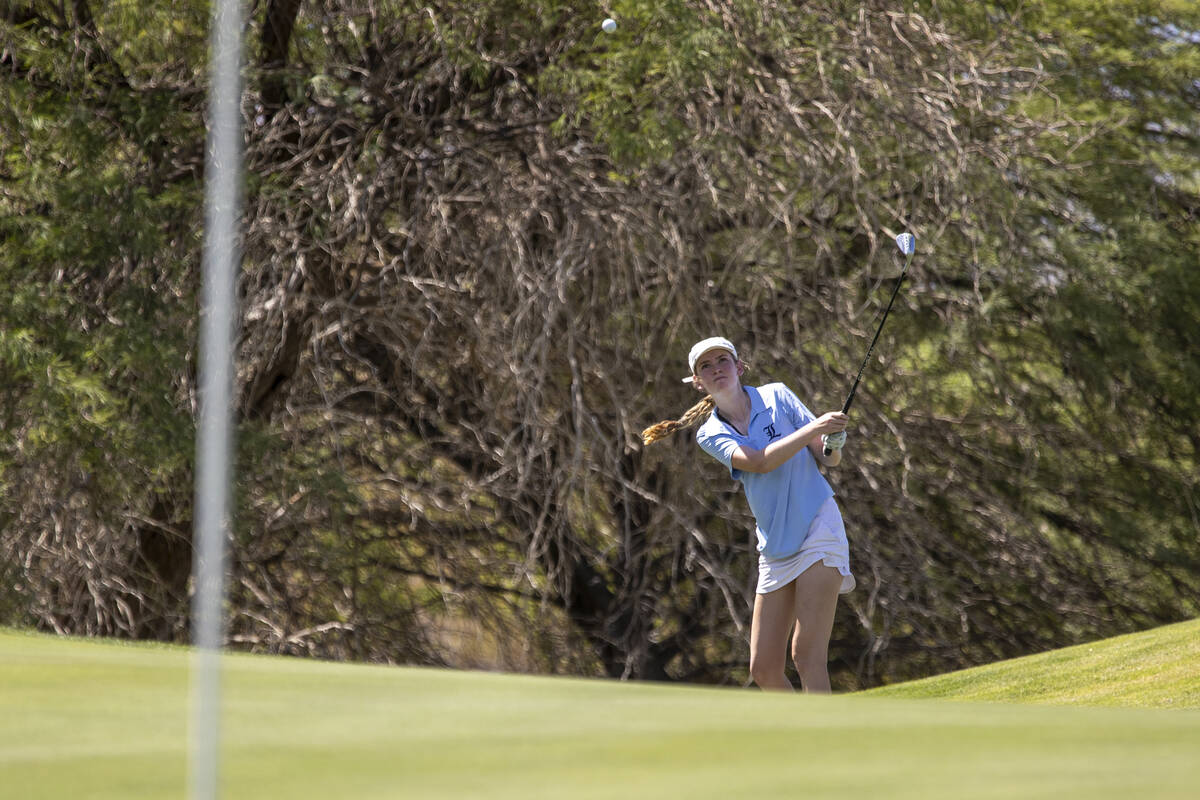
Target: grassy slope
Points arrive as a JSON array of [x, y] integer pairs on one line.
[[1154, 669], [85, 719]]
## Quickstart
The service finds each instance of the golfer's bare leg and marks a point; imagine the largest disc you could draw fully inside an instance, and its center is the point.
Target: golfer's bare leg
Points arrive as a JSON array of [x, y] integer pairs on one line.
[[774, 614], [816, 602]]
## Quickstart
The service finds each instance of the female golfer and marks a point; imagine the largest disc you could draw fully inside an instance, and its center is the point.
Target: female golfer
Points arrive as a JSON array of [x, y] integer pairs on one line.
[[772, 443]]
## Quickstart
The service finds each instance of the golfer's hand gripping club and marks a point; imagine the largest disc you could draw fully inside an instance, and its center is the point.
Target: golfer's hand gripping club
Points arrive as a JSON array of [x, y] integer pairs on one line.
[[908, 245], [835, 441]]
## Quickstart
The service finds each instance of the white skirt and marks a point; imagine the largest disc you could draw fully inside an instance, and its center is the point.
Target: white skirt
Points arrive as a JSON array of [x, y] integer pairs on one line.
[[826, 541]]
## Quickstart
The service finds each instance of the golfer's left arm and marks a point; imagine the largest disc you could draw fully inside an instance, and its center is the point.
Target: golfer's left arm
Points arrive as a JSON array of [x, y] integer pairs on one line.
[[817, 448]]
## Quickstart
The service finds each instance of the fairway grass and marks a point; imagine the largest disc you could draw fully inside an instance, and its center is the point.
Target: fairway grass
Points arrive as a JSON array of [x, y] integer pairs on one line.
[[1159, 668], [98, 719]]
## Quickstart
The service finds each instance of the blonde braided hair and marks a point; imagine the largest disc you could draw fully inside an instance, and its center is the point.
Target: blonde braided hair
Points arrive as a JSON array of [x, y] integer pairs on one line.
[[693, 416]]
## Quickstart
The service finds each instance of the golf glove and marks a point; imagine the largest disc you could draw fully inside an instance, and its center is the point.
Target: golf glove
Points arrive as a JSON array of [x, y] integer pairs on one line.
[[835, 441]]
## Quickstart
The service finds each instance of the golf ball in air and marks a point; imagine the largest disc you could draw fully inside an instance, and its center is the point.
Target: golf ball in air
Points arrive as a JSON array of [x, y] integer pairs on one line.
[[609, 25]]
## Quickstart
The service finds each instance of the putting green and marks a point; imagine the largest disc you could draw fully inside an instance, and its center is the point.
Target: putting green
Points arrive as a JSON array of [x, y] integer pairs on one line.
[[92, 719]]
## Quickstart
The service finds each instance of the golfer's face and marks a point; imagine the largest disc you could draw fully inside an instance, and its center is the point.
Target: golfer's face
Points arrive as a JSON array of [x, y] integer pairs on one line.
[[717, 370]]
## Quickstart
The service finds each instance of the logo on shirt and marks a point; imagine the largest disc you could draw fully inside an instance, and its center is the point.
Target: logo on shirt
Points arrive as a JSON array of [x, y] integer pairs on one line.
[[769, 430]]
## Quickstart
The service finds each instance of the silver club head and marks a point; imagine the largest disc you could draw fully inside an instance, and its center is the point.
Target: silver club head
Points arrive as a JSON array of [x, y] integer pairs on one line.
[[907, 243]]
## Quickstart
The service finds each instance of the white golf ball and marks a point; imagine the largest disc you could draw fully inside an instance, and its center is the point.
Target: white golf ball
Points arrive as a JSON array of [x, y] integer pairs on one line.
[[609, 25]]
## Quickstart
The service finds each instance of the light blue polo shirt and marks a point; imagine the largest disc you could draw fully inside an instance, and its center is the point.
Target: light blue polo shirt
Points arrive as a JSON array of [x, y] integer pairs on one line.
[[785, 500]]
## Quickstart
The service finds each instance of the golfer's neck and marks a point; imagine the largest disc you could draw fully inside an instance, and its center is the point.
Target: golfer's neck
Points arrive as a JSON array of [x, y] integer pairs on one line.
[[733, 403]]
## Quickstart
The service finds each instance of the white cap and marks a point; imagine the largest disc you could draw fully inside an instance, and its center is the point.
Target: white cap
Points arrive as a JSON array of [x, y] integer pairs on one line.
[[703, 346]]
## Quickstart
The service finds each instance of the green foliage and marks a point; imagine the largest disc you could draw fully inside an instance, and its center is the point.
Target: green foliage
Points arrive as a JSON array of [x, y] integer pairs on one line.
[[478, 236], [93, 305], [1085, 431], [98, 235], [627, 87]]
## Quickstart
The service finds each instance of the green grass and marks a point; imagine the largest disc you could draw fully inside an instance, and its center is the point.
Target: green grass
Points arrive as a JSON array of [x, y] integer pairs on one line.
[[1154, 669], [95, 719]]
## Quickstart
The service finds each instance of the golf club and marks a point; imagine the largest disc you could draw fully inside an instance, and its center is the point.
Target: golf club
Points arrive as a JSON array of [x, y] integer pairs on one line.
[[908, 245]]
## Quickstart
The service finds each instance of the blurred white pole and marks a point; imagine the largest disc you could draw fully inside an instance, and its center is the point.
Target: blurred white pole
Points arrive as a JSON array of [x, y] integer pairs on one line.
[[214, 437]]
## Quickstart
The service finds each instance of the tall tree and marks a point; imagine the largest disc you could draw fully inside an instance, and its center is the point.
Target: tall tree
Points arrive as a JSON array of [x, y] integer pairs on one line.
[[479, 238], [99, 173]]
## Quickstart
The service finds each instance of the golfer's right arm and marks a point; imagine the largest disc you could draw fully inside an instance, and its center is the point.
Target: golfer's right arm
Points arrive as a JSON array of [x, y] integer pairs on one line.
[[776, 453]]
